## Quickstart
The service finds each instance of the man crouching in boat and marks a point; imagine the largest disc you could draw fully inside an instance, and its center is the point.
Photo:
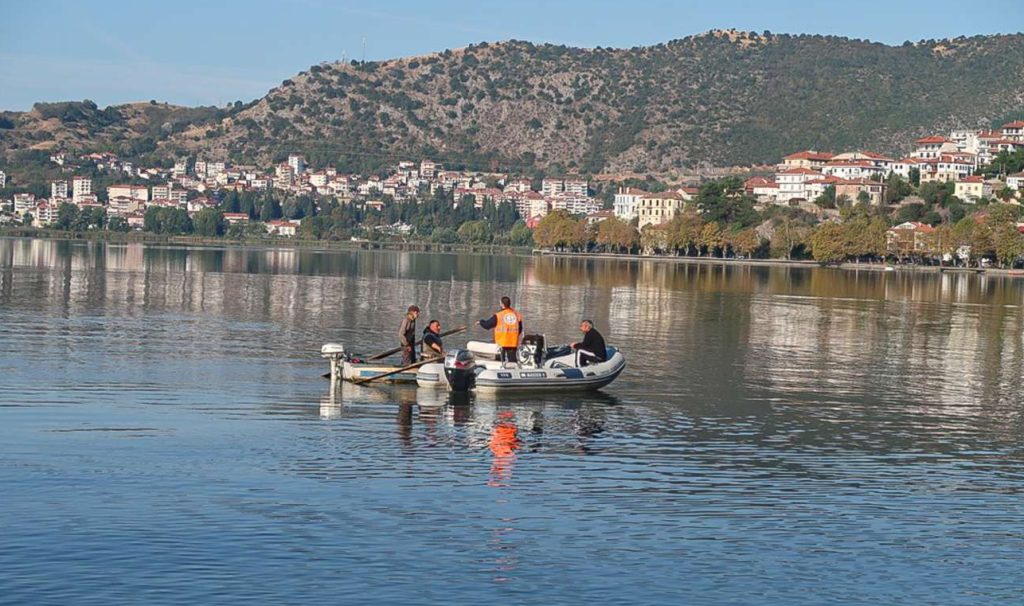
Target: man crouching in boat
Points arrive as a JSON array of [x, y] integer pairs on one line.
[[508, 326], [591, 350], [432, 345], [407, 335]]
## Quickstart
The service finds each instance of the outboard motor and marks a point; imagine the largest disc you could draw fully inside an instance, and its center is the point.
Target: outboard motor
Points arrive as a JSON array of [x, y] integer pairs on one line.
[[531, 352], [460, 370]]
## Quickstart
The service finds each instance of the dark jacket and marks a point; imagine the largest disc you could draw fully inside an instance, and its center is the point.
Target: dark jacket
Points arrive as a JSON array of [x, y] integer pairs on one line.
[[429, 339], [594, 343], [407, 331]]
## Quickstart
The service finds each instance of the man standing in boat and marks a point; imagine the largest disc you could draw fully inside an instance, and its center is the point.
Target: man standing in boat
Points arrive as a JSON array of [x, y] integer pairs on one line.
[[407, 335], [508, 327], [591, 350], [432, 345]]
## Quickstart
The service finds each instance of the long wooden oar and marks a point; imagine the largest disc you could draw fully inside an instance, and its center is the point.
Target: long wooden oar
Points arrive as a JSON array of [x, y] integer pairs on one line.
[[396, 371], [389, 352]]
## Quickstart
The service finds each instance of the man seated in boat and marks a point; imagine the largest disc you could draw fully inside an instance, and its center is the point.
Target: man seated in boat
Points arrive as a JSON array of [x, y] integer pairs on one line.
[[591, 350], [432, 345]]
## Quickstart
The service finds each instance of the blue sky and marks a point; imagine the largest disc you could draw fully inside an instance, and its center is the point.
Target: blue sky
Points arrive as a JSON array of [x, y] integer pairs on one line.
[[215, 52]]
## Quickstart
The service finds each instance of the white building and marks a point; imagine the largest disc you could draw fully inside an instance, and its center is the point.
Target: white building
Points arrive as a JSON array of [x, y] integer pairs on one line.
[[575, 205], [283, 175], [626, 201], [793, 183], [852, 169], [3, 179], [930, 148], [1014, 131], [1015, 181], [44, 213], [576, 187], [138, 193], [551, 186], [24, 203], [428, 169], [81, 187], [298, 164], [180, 168], [58, 190]]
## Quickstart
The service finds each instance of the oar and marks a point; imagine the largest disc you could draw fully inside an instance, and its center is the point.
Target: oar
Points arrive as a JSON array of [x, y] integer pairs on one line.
[[389, 352], [396, 371]]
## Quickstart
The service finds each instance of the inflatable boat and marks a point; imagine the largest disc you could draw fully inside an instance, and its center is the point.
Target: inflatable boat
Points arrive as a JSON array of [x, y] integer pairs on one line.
[[536, 369]]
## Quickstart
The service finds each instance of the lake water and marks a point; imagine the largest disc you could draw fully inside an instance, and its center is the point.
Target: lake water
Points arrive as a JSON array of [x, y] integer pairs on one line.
[[780, 436]]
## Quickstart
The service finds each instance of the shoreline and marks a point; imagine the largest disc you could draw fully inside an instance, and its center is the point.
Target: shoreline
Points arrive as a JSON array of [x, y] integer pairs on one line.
[[800, 263], [312, 245], [480, 249]]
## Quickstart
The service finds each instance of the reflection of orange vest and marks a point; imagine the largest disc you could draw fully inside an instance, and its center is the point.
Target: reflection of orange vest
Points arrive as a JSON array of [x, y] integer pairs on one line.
[[506, 331]]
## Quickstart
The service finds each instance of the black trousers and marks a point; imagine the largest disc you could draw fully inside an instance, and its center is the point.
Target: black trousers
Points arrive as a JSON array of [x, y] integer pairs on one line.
[[585, 358], [509, 354]]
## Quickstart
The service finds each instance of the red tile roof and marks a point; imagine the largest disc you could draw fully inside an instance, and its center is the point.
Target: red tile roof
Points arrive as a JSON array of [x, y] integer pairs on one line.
[[932, 139], [809, 155], [1014, 124]]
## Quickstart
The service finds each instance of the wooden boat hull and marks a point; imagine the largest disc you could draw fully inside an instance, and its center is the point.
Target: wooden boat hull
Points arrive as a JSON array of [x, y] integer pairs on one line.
[[352, 371]]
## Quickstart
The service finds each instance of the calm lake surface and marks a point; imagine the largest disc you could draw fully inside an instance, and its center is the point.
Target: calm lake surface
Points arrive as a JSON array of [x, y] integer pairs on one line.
[[780, 436]]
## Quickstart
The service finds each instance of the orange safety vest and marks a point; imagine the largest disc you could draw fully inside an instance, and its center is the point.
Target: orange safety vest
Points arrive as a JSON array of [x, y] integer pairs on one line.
[[506, 331]]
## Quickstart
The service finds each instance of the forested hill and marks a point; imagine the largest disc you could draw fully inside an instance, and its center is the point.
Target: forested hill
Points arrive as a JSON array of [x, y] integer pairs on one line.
[[721, 98]]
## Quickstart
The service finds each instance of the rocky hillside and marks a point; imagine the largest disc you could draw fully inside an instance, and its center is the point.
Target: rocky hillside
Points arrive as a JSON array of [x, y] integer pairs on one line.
[[722, 98]]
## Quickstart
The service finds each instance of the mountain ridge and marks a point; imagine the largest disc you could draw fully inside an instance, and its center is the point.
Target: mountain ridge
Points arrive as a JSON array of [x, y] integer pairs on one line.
[[724, 97]]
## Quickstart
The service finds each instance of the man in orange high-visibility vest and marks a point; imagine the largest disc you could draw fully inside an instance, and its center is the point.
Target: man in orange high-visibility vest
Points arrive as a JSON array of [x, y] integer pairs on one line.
[[508, 327]]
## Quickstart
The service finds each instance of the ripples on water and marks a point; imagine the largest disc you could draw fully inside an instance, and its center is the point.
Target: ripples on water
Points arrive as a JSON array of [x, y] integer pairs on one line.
[[780, 436]]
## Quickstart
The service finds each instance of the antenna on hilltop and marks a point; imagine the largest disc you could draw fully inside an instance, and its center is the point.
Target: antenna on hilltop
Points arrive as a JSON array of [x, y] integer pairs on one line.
[[364, 50]]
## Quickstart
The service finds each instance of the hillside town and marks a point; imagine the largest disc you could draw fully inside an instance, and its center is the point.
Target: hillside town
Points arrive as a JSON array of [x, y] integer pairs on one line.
[[816, 182]]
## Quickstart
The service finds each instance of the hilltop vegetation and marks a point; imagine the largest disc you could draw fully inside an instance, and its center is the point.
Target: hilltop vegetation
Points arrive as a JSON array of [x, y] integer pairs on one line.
[[723, 98]]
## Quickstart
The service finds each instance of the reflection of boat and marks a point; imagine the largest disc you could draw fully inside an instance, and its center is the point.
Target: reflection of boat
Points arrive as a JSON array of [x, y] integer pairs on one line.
[[538, 369], [351, 368]]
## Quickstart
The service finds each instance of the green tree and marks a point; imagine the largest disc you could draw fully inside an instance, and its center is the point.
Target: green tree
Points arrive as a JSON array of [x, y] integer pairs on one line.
[[270, 210], [683, 232], [896, 188], [724, 202], [67, 216], [745, 242], [787, 236], [615, 235], [1008, 244], [476, 232], [118, 224], [520, 235], [209, 222], [827, 199], [827, 243], [711, 238]]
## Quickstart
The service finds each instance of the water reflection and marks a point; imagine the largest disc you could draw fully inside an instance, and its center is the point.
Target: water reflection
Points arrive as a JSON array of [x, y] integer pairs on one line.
[[833, 420]]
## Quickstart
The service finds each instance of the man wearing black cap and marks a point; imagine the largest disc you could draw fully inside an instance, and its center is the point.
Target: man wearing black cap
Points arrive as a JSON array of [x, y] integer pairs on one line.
[[407, 335]]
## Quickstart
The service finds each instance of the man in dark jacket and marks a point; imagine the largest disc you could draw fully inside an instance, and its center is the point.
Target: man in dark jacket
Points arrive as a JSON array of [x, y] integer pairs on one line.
[[407, 335], [432, 345], [591, 349]]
